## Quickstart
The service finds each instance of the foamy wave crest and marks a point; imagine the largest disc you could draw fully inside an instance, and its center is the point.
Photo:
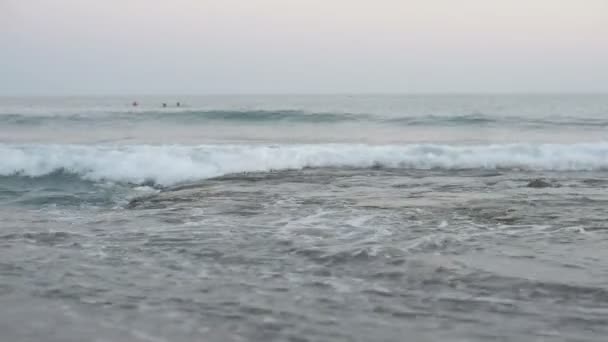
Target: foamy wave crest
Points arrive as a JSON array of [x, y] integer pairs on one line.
[[168, 165]]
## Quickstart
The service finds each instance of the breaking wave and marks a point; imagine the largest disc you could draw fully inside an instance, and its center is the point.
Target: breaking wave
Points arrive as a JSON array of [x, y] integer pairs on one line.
[[172, 164]]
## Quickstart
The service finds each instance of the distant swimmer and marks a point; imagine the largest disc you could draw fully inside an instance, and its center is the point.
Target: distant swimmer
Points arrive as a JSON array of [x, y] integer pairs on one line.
[[178, 104], [135, 104], [164, 105]]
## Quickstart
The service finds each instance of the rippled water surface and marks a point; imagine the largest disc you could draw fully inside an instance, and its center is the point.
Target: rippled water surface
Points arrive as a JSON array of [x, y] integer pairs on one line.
[[304, 219]]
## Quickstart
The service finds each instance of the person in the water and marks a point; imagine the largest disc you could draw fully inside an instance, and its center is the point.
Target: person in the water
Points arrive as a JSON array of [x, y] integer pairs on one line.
[[164, 105], [178, 104]]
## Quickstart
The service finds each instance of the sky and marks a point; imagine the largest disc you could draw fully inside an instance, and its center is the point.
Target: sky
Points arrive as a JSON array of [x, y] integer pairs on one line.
[[106, 47]]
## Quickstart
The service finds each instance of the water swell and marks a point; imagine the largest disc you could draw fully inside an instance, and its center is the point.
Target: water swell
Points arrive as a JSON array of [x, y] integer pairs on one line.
[[37, 120], [193, 116], [173, 164], [261, 116], [448, 120], [487, 120], [186, 116]]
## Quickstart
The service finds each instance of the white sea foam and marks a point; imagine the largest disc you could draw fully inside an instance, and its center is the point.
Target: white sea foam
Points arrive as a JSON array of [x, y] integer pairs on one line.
[[171, 164]]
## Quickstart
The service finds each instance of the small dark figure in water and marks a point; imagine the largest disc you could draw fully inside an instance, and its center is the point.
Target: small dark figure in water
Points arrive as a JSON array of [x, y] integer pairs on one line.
[[135, 104], [178, 104], [164, 105], [539, 183]]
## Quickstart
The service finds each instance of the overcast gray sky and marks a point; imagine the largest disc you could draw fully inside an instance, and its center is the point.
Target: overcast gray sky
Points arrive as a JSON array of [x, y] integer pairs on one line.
[[56, 47]]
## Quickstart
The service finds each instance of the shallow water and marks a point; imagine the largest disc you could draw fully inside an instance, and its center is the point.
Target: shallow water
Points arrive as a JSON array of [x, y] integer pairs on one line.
[[230, 238]]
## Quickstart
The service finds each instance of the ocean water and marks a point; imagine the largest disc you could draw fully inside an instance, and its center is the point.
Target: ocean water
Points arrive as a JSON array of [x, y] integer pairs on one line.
[[304, 218]]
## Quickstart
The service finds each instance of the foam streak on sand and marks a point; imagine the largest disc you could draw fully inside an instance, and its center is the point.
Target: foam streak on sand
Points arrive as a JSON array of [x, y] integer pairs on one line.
[[172, 164]]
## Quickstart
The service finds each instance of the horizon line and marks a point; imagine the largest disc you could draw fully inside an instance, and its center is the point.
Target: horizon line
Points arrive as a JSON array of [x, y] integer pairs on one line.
[[375, 93]]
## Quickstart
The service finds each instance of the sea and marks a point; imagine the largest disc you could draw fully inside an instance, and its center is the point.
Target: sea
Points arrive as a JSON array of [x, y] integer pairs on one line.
[[304, 218]]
